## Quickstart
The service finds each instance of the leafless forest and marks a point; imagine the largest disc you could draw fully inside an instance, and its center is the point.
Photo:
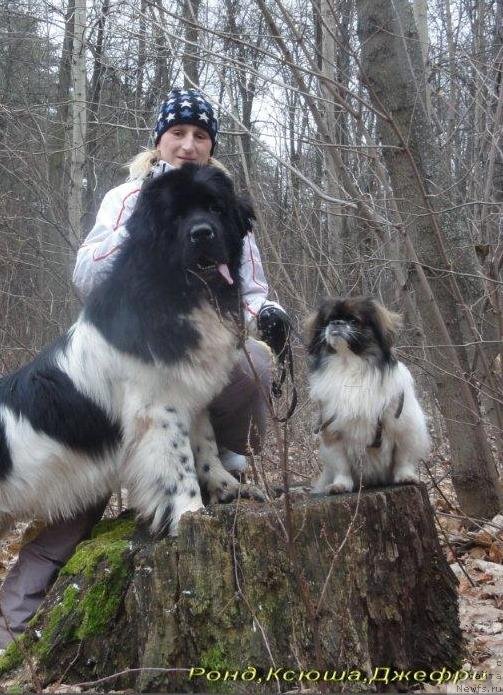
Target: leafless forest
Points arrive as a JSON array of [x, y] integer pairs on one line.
[[369, 132]]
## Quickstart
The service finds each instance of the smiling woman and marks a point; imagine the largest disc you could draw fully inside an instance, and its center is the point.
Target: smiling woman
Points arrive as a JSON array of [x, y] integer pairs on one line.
[[185, 143]]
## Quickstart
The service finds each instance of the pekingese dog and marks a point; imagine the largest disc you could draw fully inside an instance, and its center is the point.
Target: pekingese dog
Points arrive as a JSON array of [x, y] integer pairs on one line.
[[371, 426]]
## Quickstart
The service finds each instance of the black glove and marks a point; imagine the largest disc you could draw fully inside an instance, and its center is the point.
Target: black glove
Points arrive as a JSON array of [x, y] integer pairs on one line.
[[274, 329]]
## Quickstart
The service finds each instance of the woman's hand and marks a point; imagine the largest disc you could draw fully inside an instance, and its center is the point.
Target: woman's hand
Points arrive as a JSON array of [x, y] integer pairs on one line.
[[274, 328]]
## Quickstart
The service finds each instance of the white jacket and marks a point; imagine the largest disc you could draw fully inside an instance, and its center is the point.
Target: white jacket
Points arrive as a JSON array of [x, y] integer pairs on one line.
[[95, 256]]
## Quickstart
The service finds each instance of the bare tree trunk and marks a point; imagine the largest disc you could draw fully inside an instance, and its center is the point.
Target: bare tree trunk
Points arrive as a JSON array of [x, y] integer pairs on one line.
[[392, 66], [190, 56], [451, 137], [492, 228], [94, 127], [163, 64], [332, 116], [420, 8], [58, 139], [79, 124]]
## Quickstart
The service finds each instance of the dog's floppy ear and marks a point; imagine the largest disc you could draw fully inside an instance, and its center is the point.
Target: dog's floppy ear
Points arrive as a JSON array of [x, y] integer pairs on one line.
[[148, 219], [315, 322], [246, 214], [310, 328], [387, 323]]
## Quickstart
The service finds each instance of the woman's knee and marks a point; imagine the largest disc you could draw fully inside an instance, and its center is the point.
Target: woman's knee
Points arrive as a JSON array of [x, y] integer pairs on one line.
[[256, 365]]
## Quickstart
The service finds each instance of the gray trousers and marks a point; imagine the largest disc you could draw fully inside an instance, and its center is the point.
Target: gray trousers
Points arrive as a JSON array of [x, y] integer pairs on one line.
[[238, 415]]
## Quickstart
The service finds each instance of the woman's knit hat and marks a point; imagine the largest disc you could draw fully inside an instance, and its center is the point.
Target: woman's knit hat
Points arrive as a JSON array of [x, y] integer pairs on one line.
[[186, 106]]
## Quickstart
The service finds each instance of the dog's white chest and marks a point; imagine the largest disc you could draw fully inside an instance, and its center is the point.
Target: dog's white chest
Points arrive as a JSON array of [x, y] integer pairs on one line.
[[195, 379]]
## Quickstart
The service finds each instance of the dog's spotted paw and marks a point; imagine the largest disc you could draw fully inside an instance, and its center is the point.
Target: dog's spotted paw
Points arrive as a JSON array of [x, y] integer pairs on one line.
[[227, 491], [252, 492]]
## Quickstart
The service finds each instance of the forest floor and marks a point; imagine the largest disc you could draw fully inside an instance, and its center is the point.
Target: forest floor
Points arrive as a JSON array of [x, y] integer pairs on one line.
[[474, 552]]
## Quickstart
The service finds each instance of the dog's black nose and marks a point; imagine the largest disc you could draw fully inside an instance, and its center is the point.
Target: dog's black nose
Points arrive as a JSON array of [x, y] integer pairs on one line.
[[338, 322], [201, 232]]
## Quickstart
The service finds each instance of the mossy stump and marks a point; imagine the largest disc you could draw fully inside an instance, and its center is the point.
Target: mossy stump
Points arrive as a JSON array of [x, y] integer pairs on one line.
[[364, 585]]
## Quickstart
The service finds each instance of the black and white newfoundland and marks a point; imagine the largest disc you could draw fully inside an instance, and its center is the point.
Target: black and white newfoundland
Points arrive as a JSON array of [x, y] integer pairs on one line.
[[123, 395], [372, 429]]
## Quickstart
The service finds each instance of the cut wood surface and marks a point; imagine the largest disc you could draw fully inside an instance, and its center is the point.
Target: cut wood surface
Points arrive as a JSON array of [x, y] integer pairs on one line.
[[363, 585]]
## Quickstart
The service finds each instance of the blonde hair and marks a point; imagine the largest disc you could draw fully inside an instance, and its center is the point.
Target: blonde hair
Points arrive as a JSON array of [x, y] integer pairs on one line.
[[142, 163]]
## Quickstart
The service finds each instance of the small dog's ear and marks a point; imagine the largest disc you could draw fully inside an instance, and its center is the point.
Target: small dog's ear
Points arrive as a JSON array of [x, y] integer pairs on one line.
[[246, 214], [315, 322], [310, 327], [388, 322]]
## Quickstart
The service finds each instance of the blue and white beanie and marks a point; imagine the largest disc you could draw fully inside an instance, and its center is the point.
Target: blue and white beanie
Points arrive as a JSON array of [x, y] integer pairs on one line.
[[186, 106]]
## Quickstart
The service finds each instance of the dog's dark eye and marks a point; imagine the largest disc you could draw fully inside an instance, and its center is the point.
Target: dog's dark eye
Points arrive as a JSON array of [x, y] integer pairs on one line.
[[216, 209]]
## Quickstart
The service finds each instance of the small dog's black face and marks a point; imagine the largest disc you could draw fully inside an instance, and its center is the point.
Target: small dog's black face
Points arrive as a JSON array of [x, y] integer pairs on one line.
[[358, 324], [197, 222]]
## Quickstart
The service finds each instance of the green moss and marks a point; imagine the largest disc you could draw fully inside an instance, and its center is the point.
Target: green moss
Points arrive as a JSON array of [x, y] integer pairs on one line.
[[61, 614], [109, 541], [115, 529], [12, 658], [56, 619], [100, 603], [15, 690], [214, 659], [86, 612]]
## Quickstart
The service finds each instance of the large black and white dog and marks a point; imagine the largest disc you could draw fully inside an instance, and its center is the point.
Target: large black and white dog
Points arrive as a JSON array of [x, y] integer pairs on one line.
[[124, 394]]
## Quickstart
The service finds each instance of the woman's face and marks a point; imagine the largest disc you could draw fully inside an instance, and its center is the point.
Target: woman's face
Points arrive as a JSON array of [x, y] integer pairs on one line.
[[185, 143]]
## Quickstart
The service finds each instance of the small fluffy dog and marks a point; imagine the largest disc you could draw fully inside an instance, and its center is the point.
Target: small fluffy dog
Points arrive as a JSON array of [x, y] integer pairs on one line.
[[371, 425], [124, 394]]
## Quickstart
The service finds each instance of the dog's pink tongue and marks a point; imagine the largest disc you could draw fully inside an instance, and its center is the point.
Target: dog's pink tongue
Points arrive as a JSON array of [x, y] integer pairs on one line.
[[224, 272]]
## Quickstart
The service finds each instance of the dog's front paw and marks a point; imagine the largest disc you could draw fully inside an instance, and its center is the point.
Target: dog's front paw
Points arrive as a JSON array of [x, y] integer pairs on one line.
[[252, 492], [225, 491], [406, 477], [338, 485], [167, 516]]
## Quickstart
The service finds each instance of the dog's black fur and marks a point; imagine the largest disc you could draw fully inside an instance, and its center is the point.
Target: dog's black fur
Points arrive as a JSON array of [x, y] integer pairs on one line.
[[156, 281]]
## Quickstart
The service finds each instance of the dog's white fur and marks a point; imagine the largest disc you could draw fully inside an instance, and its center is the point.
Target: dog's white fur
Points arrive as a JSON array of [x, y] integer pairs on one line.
[[50, 481], [353, 395]]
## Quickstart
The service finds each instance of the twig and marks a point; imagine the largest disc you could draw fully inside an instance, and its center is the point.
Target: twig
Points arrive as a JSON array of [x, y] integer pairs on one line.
[[449, 545], [27, 657], [127, 671]]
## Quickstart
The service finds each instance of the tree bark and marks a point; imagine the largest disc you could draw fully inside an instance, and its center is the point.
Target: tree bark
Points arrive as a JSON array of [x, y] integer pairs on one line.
[[190, 56], [57, 141], [333, 116], [79, 120], [393, 69], [363, 584]]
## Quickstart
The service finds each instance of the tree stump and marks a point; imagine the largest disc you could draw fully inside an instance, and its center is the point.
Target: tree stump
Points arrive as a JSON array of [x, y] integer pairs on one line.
[[363, 585]]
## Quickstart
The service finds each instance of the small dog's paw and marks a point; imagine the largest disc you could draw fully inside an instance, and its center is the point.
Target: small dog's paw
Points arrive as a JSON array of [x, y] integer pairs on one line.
[[336, 487], [406, 478], [339, 486]]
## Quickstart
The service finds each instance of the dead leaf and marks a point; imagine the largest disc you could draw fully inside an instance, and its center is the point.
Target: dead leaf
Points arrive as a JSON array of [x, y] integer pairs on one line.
[[492, 567], [477, 552], [495, 553]]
